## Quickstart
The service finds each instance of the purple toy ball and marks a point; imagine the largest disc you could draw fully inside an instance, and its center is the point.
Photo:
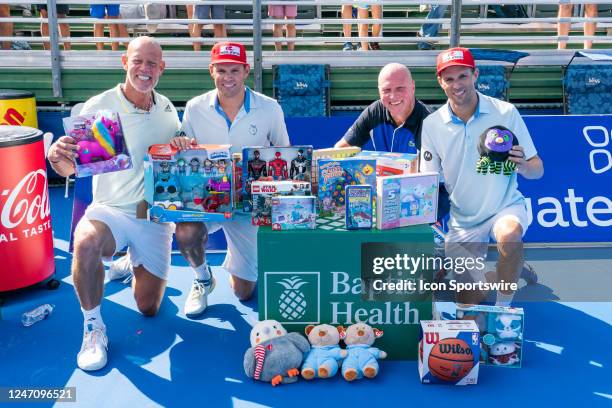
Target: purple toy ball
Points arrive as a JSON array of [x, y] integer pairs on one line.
[[496, 142]]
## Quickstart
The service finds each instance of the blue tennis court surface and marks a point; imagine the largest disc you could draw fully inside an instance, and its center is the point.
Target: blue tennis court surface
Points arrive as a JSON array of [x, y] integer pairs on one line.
[[170, 360]]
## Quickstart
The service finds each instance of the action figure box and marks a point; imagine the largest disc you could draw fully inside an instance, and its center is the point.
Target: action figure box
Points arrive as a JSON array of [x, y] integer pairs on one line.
[[449, 352], [359, 207], [335, 175], [329, 153], [406, 200], [392, 164], [102, 147], [501, 333], [237, 171], [294, 213], [273, 164], [189, 185], [263, 191]]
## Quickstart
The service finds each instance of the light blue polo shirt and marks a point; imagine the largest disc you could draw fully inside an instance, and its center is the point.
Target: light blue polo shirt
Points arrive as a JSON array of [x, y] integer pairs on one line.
[[450, 146]]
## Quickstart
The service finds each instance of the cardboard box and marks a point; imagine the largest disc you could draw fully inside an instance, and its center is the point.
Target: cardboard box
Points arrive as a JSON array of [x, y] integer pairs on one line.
[[335, 175], [264, 191], [392, 164], [294, 213], [359, 207]]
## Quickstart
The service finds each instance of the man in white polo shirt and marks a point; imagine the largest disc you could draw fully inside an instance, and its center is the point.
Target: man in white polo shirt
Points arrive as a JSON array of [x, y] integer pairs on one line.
[[483, 206], [230, 114], [113, 221]]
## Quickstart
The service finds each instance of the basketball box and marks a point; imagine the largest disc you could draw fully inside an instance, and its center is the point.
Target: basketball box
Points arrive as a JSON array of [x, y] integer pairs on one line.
[[449, 352]]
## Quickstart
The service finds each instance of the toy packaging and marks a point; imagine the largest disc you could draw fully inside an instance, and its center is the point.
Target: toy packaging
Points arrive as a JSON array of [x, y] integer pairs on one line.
[[294, 213], [449, 352], [335, 175], [273, 164], [392, 164], [237, 168], [263, 191], [102, 147], [501, 333], [189, 185], [406, 200], [359, 207], [329, 153]]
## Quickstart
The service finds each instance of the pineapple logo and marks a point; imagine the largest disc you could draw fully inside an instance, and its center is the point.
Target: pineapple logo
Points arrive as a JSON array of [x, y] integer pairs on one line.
[[292, 297]]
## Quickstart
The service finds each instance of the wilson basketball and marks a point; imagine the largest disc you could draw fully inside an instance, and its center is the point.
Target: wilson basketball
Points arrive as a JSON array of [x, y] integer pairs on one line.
[[451, 359]]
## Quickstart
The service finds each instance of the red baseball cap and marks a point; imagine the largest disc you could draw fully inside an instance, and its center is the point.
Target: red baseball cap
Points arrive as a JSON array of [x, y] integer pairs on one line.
[[454, 56], [229, 53]]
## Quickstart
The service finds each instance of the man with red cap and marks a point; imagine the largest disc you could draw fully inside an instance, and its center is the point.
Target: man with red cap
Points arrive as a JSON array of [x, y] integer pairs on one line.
[[233, 114], [484, 205]]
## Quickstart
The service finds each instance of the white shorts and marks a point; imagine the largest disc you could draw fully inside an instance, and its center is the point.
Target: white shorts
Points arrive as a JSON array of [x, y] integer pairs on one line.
[[241, 237], [473, 241], [149, 243]]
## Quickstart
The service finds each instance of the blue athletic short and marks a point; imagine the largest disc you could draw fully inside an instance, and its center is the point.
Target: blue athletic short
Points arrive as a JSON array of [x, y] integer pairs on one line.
[[102, 10]]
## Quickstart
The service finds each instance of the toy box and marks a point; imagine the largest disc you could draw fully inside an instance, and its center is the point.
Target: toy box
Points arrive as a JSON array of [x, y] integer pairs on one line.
[[273, 164], [189, 185], [294, 213], [237, 168], [392, 164], [329, 153], [102, 147], [359, 207], [449, 352], [406, 200], [263, 191], [501, 333], [335, 175]]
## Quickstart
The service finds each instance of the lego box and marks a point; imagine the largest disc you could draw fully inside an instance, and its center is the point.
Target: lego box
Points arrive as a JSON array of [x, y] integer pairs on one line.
[[102, 147], [189, 185], [406, 200], [449, 352], [273, 164], [335, 175], [263, 191], [359, 207], [501, 333], [392, 164], [294, 213]]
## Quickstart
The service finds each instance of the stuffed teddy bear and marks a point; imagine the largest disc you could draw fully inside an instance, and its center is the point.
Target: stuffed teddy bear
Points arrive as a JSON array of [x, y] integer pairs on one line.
[[274, 355], [494, 147], [361, 359], [322, 359]]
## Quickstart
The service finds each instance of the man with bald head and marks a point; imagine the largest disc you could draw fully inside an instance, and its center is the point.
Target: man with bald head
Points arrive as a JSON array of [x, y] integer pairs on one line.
[[392, 123], [112, 221]]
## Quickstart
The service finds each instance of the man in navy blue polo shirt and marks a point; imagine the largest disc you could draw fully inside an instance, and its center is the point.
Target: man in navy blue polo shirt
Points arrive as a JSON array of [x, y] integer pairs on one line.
[[392, 123]]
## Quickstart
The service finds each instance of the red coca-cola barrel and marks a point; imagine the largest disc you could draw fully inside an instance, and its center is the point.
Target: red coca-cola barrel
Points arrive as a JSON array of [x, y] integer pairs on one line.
[[26, 240]]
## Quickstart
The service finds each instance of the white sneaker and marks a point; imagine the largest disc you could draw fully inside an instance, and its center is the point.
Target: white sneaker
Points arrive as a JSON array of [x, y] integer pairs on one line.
[[93, 352], [121, 268], [197, 300]]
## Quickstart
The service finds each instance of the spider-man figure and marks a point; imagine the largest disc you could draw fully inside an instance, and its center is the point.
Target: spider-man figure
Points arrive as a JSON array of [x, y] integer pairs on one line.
[[277, 168], [256, 167]]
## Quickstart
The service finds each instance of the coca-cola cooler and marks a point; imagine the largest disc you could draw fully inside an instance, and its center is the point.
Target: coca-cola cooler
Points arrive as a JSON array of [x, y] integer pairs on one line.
[[26, 239]]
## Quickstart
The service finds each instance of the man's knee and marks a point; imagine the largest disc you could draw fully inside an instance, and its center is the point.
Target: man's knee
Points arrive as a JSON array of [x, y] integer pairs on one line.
[[148, 305], [91, 240], [189, 234], [509, 238]]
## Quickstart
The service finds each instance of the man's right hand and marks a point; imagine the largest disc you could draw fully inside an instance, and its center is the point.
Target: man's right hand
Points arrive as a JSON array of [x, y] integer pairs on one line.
[[183, 142], [62, 154]]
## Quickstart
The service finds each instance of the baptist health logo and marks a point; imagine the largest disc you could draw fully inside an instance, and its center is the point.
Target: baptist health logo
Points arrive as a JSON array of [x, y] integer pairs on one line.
[[600, 157], [292, 297]]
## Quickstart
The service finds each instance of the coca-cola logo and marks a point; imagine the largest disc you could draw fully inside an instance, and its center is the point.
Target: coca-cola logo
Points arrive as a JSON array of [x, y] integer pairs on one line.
[[28, 201]]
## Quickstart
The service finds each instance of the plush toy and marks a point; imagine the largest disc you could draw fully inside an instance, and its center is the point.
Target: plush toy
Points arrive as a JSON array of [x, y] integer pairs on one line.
[[508, 326], [274, 355], [322, 359], [503, 354], [494, 147], [362, 358]]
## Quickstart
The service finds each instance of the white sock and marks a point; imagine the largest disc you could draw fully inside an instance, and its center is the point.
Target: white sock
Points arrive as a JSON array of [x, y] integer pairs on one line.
[[93, 319], [504, 299], [201, 272]]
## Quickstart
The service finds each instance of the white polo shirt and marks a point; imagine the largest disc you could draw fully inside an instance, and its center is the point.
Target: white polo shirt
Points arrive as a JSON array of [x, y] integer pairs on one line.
[[451, 146], [125, 189], [260, 122]]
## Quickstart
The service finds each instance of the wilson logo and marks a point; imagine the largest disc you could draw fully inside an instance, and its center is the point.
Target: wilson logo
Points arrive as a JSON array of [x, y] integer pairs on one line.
[[432, 338], [454, 349]]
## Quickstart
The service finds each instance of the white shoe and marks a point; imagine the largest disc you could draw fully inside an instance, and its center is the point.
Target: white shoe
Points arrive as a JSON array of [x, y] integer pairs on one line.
[[121, 268], [197, 300], [93, 352]]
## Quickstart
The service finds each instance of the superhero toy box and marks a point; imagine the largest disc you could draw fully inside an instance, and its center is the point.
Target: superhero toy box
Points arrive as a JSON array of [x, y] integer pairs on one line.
[[501, 333], [392, 164], [294, 213], [273, 164], [329, 153], [406, 200], [449, 352], [335, 175], [102, 148], [264, 191], [359, 207], [189, 185]]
